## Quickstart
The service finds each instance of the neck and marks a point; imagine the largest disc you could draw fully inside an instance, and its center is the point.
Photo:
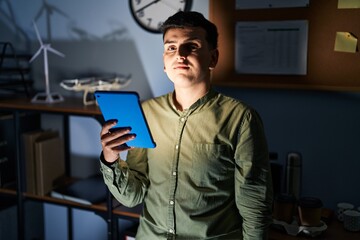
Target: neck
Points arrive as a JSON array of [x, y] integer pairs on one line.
[[184, 98]]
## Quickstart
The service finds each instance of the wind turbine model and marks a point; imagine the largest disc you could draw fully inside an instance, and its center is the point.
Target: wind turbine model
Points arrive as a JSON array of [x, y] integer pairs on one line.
[[46, 97]]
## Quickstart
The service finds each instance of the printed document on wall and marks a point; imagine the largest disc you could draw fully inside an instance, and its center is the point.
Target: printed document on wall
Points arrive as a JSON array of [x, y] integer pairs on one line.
[[348, 4], [258, 4], [271, 47]]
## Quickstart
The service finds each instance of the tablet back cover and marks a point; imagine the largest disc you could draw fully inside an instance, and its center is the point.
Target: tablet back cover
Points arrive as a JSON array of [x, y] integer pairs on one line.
[[126, 108]]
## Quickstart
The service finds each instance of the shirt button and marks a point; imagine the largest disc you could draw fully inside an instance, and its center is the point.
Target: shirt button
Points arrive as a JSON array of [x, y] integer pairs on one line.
[[174, 173], [182, 119], [109, 170], [171, 202], [177, 146], [171, 231]]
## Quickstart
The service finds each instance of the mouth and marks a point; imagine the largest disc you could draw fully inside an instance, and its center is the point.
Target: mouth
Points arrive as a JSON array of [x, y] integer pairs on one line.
[[181, 67]]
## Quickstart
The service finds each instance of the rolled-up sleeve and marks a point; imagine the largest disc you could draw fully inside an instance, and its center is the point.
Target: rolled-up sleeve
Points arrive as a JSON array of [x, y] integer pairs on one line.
[[253, 182], [127, 185]]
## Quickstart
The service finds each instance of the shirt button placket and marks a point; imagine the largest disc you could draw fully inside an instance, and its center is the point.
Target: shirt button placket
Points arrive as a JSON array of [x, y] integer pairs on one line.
[[171, 234], [171, 220]]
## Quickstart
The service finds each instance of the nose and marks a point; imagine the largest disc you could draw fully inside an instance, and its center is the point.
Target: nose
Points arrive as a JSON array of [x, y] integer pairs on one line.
[[180, 58], [182, 53]]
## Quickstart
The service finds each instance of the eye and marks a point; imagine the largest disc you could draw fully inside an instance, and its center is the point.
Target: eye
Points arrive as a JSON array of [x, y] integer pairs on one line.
[[192, 47], [171, 48]]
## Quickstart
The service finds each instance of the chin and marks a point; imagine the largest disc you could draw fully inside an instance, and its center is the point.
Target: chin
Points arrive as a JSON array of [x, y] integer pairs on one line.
[[182, 80]]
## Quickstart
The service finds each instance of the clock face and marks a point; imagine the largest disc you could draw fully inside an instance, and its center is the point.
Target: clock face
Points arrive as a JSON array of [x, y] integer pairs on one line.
[[150, 14]]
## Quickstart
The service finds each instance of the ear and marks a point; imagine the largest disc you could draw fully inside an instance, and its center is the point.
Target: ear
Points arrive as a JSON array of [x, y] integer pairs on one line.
[[214, 58], [164, 69]]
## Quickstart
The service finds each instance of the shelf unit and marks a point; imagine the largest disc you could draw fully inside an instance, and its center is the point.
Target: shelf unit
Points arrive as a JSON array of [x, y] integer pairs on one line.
[[14, 70], [109, 210]]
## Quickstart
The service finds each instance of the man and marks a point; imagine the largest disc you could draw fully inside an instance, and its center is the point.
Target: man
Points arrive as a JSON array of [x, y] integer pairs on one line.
[[209, 176]]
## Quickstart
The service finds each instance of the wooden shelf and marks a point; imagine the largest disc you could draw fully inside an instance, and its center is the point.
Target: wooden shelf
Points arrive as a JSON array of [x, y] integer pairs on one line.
[[8, 191], [24, 56], [118, 209], [68, 106]]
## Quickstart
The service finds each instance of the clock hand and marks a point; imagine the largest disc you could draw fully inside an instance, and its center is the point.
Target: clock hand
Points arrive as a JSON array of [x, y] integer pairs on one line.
[[151, 3], [169, 5]]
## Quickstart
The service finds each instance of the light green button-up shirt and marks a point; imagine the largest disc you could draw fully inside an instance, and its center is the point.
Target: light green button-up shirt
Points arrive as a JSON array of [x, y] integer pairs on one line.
[[207, 178]]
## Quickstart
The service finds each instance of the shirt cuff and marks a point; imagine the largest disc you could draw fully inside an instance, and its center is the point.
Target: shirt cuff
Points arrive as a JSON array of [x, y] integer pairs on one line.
[[102, 159]]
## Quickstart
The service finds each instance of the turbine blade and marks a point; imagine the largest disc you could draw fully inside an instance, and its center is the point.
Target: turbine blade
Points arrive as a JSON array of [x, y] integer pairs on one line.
[[56, 9], [10, 11], [37, 33], [55, 51], [36, 54], [39, 13]]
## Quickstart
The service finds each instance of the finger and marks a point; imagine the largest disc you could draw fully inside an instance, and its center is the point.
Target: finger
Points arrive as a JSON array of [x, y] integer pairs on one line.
[[114, 142], [111, 150], [121, 148], [113, 135], [107, 126]]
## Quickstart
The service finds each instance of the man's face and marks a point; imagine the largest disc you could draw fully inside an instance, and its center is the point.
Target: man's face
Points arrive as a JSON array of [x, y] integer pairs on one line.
[[187, 57]]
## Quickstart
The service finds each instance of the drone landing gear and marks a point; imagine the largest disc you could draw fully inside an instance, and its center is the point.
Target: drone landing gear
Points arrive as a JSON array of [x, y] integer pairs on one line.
[[47, 98]]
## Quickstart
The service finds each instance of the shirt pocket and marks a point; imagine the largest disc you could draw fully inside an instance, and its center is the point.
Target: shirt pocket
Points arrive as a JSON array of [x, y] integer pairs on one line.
[[211, 163]]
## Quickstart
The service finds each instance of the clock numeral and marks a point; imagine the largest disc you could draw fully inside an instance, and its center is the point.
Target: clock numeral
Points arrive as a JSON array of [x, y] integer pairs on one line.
[[140, 13], [145, 12], [149, 21]]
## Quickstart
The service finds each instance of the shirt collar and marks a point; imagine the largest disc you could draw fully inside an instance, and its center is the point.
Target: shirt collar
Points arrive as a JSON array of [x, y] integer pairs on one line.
[[201, 102]]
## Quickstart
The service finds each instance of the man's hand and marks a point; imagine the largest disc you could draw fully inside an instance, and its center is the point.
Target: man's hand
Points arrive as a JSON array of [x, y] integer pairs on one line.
[[114, 141]]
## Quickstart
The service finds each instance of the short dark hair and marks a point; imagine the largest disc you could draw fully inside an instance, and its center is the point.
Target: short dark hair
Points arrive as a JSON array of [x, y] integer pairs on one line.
[[192, 19]]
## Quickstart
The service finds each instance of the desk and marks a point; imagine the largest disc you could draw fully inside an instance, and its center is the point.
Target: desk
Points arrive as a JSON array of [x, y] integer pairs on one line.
[[335, 231]]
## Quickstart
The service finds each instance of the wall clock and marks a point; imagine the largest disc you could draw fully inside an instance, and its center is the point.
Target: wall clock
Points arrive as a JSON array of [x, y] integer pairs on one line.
[[150, 14]]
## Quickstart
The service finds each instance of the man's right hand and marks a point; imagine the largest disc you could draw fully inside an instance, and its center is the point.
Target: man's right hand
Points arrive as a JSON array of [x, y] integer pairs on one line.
[[114, 141]]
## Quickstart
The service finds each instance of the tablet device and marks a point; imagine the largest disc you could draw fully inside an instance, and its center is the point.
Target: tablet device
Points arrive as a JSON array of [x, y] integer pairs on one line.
[[125, 107]]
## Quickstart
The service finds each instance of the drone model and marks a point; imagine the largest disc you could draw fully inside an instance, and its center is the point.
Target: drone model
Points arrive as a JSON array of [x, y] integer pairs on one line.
[[90, 85]]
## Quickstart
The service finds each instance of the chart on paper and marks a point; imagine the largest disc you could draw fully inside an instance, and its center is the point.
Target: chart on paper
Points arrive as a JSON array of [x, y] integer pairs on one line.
[[251, 4], [271, 47]]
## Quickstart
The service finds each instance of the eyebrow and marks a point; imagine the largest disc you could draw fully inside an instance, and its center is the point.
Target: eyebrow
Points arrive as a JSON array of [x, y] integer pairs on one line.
[[187, 40], [169, 42]]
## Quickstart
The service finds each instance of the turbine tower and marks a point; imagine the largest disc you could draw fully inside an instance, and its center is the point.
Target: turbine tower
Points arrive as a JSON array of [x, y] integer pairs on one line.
[[47, 96]]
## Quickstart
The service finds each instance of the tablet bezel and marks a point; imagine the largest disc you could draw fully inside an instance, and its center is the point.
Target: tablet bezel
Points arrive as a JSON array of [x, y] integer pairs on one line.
[[130, 115]]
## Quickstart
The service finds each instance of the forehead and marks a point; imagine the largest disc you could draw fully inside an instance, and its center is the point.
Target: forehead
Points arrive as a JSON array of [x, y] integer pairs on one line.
[[184, 34]]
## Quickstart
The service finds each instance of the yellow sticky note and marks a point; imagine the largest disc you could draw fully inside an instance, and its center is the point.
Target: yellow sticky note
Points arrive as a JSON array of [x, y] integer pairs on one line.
[[345, 42], [348, 3]]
